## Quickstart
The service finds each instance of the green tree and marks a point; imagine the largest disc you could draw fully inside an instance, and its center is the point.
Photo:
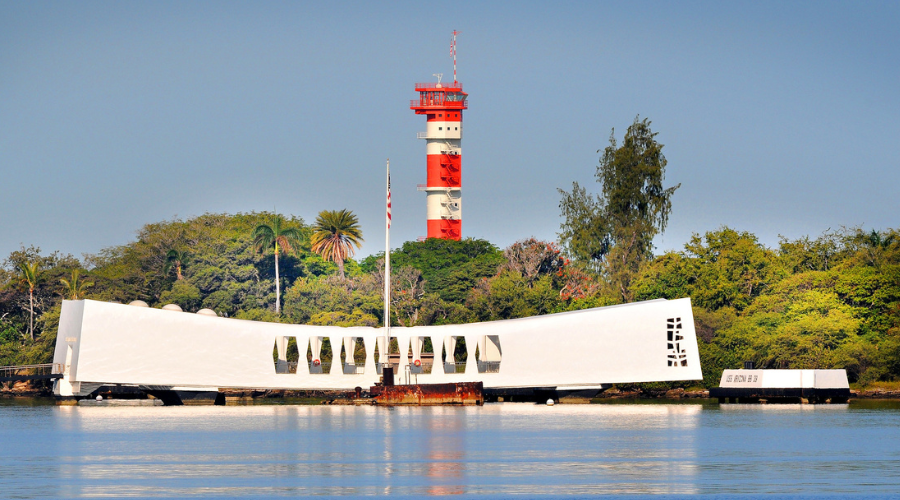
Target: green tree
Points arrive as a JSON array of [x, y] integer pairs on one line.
[[282, 239], [449, 268], [616, 227], [340, 318], [184, 294], [724, 268], [29, 274], [175, 259], [509, 295], [729, 268], [335, 232], [876, 248], [585, 230], [874, 292], [805, 254], [74, 287], [308, 297]]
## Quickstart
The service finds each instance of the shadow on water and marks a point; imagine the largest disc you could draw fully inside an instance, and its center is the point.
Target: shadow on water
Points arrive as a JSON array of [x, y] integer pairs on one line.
[[275, 402], [875, 404], [26, 401], [654, 401]]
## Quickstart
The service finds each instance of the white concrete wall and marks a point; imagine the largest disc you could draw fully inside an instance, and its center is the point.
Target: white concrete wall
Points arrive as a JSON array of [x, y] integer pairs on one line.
[[437, 147], [832, 379], [781, 379], [439, 205], [116, 343], [443, 130]]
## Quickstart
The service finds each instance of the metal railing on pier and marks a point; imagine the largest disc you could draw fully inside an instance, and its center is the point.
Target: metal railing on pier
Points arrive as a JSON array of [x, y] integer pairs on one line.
[[323, 368], [454, 367], [488, 367], [46, 371], [354, 369]]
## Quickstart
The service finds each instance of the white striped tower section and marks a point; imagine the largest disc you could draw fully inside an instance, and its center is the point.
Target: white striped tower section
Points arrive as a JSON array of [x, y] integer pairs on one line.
[[443, 105]]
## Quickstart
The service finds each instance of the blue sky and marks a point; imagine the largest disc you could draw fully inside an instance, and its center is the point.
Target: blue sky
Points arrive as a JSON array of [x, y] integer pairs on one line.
[[779, 118]]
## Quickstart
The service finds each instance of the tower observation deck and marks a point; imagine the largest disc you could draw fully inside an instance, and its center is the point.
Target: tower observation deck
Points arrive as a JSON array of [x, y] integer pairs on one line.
[[442, 104]]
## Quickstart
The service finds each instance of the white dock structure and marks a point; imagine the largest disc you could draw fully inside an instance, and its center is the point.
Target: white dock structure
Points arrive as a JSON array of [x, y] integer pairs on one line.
[[102, 343], [749, 385]]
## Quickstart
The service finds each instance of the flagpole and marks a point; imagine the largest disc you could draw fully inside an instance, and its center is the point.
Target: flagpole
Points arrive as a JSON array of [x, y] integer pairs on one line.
[[387, 270]]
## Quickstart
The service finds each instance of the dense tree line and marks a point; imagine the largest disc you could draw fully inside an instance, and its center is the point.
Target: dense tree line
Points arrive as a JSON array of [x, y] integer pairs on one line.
[[828, 302], [832, 301], [226, 263]]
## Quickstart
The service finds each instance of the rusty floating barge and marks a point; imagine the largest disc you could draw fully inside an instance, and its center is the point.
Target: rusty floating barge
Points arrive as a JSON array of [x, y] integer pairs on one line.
[[450, 394]]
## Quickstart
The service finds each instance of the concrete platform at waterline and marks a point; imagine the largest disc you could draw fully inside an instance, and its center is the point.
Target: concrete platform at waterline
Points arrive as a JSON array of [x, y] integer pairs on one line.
[[782, 386], [179, 353]]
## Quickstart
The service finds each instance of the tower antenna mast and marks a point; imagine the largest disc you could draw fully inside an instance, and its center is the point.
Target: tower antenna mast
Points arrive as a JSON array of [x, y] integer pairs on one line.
[[453, 54]]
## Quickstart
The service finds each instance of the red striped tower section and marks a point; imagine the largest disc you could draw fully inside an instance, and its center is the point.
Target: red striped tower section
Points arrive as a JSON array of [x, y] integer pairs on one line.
[[443, 105]]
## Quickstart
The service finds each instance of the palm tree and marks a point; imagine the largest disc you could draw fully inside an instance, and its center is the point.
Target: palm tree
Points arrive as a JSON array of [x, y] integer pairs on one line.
[[283, 239], [29, 274], [334, 234], [175, 259], [875, 244], [74, 288]]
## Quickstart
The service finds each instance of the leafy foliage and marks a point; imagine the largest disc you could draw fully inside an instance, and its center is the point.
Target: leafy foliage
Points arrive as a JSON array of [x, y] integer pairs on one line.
[[450, 269], [831, 302], [334, 235], [175, 259], [74, 287], [616, 227], [282, 240], [826, 302]]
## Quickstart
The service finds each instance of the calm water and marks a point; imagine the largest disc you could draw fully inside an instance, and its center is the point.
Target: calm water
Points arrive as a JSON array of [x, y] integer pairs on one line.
[[497, 450]]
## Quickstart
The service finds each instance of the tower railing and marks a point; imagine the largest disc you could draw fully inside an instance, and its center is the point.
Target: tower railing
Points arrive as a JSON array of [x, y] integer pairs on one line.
[[424, 135], [439, 103], [443, 85]]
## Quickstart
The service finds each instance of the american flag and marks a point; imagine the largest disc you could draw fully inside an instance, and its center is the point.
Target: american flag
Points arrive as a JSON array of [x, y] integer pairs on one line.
[[389, 201]]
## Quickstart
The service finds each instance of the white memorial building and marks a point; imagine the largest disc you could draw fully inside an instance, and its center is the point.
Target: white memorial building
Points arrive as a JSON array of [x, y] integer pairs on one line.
[[102, 343]]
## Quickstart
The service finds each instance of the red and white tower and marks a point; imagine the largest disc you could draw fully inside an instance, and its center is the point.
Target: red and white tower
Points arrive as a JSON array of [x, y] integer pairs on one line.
[[443, 104]]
